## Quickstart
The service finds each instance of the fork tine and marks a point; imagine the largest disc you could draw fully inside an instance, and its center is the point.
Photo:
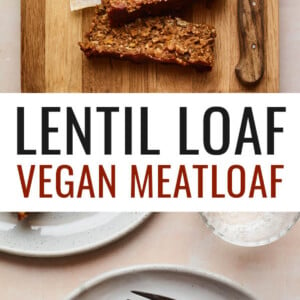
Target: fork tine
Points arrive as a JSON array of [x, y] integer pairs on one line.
[[151, 296]]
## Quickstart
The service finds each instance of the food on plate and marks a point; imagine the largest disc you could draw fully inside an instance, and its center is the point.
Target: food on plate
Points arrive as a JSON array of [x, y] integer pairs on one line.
[[163, 39], [22, 215], [123, 11]]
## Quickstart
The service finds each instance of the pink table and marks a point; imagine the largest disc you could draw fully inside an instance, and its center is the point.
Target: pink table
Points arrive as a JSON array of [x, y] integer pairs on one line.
[[270, 272]]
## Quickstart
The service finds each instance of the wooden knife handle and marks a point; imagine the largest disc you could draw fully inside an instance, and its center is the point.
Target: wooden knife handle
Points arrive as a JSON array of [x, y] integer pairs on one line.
[[250, 68]]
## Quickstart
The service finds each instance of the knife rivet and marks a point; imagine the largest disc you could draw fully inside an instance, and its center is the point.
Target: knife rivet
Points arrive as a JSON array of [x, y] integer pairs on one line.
[[253, 46], [253, 3]]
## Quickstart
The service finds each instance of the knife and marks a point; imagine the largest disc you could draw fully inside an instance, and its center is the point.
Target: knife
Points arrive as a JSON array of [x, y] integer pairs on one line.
[[250, 68], [151, 296]]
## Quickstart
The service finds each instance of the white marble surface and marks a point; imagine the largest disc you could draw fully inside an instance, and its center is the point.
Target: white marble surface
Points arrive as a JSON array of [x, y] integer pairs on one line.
[[10, 46]]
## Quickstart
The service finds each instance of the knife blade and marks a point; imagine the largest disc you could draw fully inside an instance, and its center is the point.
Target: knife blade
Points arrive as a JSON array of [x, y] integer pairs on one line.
[[250, 68], [151, 296]]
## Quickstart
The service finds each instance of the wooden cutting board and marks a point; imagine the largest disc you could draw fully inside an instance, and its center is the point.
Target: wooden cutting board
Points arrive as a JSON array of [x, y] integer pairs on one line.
[[52, 61]]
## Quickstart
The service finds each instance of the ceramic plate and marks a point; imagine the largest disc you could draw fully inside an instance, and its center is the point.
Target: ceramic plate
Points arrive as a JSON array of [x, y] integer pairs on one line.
[[174, 282], [60, 234]]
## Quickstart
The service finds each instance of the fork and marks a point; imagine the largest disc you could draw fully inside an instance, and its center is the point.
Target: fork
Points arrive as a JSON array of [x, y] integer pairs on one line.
[[151, 296]]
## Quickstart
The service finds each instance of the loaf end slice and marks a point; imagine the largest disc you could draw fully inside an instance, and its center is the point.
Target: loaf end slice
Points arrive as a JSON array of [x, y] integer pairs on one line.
[[124, 11]]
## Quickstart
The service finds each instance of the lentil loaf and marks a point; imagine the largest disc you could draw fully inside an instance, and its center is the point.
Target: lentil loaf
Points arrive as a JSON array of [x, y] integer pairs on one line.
[[124, 11], [163, 39]]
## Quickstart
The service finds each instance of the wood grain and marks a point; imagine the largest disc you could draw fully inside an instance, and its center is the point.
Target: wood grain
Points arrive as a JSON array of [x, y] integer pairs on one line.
[[52, 62], [33, 46], [216, 13], [250, 68], [63, 61], [272, 47]]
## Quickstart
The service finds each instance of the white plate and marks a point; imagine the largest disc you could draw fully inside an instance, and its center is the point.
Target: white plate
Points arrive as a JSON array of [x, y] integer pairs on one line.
[[170, 281], [60, 234]]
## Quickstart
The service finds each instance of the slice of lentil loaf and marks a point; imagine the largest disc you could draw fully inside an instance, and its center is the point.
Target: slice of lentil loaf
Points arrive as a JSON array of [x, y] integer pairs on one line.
[[164, 39], [124, 11]]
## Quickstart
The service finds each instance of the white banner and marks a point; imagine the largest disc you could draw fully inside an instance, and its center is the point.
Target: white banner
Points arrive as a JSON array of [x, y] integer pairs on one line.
[[149, 152]]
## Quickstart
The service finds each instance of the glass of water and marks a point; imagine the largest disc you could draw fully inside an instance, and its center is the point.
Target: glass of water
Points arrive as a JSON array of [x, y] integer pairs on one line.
[[250, 229]]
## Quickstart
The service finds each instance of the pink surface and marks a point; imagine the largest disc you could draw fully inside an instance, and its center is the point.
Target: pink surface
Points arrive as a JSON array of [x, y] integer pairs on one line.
[[270, 272]]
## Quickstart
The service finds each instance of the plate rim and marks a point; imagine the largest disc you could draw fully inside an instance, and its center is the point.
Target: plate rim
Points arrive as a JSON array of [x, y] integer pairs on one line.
[[176, 268], [81, 249]]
